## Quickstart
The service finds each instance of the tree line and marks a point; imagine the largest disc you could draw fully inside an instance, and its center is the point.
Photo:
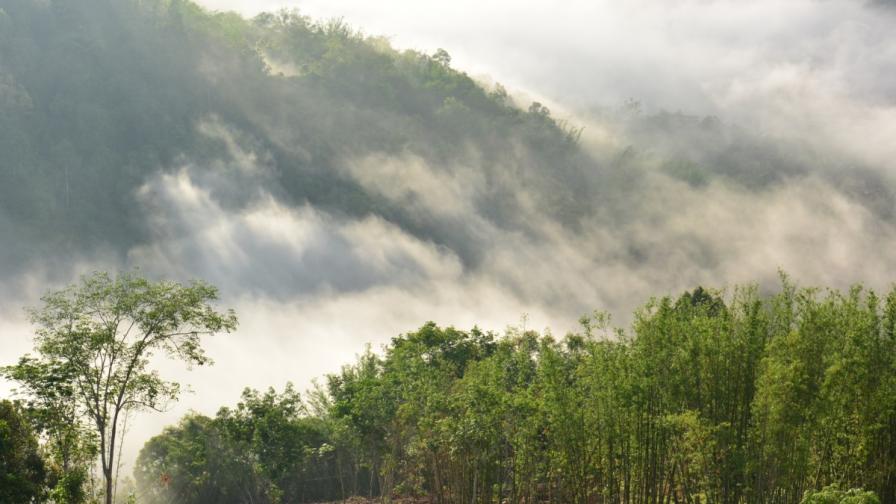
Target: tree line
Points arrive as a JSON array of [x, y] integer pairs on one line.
[[711, 397]]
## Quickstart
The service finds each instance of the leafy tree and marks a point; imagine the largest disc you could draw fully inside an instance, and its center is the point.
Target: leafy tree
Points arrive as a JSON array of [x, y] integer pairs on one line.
[[101, 335], [442, 57], [22, 470], [53, 409]]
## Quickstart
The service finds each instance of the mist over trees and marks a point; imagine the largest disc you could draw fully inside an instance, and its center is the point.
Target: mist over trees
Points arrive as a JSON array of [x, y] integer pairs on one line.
[[99, 96]]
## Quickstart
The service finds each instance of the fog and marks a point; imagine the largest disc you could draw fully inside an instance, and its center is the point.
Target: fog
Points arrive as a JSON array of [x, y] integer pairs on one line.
[[722, 142]]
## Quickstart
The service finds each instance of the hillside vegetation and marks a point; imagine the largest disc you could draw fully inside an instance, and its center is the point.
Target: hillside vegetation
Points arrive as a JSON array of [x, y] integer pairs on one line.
[[98, 96]]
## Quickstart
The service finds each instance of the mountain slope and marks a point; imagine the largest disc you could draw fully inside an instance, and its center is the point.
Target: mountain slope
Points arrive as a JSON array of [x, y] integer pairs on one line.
[[289, 158], [98, 96]]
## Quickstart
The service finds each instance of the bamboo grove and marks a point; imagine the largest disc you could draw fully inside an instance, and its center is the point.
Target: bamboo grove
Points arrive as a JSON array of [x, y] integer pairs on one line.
[[709, 398]]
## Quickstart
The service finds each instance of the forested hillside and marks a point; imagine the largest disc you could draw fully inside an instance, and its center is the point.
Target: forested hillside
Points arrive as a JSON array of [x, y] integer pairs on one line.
[[709, 398], [130, 130], [99, 96]]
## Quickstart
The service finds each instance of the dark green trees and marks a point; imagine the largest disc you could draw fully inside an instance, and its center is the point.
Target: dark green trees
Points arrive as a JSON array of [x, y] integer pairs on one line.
[[22, 469]]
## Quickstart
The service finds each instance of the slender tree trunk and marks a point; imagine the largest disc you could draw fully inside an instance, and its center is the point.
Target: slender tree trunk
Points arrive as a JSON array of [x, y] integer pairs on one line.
[[341, 475], [107, 474], [475, 478], [110, 462], [124, 431]]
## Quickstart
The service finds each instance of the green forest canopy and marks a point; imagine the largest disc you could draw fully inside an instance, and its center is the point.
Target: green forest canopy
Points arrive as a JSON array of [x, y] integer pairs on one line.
[[709, 398]]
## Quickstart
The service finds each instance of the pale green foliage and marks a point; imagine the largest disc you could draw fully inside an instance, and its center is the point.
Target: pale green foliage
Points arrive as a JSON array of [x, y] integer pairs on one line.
[[710, 398], [832, 495]]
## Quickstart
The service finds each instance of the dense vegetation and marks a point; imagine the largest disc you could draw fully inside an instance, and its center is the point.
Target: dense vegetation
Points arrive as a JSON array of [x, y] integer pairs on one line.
[[710, 398], [22, 470]]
